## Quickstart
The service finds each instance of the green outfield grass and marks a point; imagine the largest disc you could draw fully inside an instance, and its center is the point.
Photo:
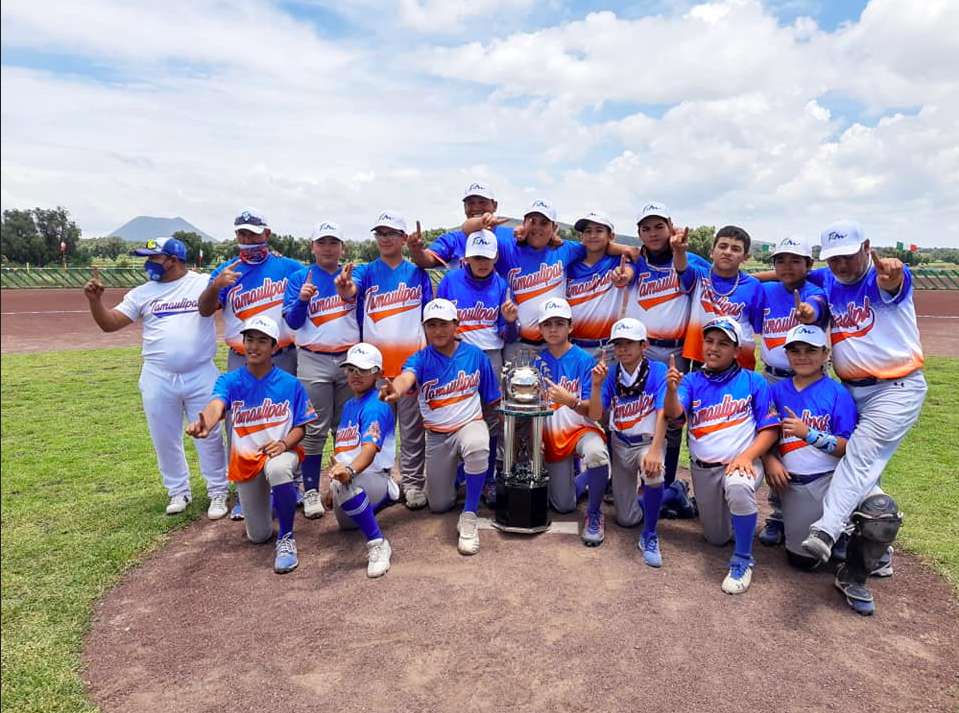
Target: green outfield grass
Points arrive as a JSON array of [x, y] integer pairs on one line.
[[82, 502]]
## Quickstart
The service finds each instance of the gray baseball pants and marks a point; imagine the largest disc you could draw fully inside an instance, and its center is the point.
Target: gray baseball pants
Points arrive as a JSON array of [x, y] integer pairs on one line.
[[254, 495], [720, 496], [375, 483], [492, 418], [674, 431], [627, 476], [444, 451], [325, 384], [592, 453]]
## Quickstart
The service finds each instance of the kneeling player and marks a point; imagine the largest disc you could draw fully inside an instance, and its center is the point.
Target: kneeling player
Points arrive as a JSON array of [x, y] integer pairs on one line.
[[363, 455], [455, 382], [732, 423], [269, 409], [633, 393], [819, 415], [572, 429]]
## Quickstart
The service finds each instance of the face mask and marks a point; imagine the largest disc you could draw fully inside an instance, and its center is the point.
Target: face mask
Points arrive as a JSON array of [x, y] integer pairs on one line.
[[154, 270], [254, 254]]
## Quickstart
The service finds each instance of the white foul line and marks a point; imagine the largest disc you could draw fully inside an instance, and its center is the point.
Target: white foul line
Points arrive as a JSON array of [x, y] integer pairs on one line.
[[49, 311]]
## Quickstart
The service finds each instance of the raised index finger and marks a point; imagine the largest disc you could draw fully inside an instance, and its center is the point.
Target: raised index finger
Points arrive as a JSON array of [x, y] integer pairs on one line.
[[233, 265], [796, 299], [790, 412], [672, 361], [96, 273], [876, 260]]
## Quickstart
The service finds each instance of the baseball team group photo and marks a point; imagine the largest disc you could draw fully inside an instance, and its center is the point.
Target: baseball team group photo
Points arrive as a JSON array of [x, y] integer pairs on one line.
[[466, 445]]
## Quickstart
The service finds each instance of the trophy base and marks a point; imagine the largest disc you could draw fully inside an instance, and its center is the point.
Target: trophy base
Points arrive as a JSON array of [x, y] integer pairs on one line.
[[522, 508]]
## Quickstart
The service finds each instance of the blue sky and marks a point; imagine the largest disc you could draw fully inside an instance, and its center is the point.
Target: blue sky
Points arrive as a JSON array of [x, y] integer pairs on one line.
[[780, 116]]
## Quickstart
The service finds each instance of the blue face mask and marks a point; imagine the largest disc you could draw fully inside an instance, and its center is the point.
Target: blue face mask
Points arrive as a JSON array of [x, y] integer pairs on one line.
[[154, 270]]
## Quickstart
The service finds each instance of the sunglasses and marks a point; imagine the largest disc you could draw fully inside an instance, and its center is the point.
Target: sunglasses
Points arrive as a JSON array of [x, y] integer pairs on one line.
[[356, 371]]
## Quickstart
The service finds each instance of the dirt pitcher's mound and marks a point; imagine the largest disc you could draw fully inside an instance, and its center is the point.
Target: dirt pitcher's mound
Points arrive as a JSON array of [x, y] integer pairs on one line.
[[529, 624]]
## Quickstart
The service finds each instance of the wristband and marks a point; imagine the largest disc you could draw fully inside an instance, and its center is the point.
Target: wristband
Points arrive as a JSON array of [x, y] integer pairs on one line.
[[826, 442]]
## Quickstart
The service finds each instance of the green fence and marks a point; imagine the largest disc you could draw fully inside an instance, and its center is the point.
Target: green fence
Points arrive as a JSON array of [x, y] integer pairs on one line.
[[38, 277]]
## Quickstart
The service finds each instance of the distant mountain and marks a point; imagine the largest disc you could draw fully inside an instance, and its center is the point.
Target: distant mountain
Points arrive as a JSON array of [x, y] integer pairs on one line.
[[145, 227]]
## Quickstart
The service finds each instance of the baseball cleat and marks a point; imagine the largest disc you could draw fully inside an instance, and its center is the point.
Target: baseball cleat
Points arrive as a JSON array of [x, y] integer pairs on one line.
[[857, 595], [773, 533], [469, 536], [286, 559], [177, 504], [884, 569], [237, 512], [415, 497], [594, 529], [217, 508], [608, 495], [677, 503], [378, 552], [818, 545], [489, 495], [649, 544], [739, 577], [312, 505]]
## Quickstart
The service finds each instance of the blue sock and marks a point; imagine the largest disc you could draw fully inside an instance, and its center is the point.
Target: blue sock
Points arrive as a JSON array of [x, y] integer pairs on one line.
[[284, 500], [581, 481], [474, 488], [652, 500], [596, 482], [311, 472], [359, 511], [744, 527]]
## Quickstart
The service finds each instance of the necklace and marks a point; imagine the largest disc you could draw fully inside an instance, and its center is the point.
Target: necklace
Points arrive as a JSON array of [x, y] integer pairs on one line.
[[656, 268], [712, 286]]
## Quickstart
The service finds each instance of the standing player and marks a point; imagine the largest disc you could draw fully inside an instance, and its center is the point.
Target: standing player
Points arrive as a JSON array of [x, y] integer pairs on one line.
[[455, 381], [574, 395], [726, 291], [785, 304], [178, 370], [596, 285], [877, 354], [732, 423], [390, 293], [360, 481], [666, 274], [269, 409], [325, 327], [633, 395]]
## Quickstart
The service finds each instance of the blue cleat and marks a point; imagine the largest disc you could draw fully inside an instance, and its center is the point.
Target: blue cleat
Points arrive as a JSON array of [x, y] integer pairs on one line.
[[594, 530], [286, 559], [773, 533], [857, 595], [649, 544], [237, 512]]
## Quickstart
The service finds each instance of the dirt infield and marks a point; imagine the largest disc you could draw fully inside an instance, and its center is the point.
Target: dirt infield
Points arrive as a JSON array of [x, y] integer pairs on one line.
[[45, 320], [528, 624]]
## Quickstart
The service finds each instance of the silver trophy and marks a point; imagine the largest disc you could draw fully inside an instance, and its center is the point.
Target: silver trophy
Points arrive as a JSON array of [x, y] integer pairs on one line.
[[522, 502]]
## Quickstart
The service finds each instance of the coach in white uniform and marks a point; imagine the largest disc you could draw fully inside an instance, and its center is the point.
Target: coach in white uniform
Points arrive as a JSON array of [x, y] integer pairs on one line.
[[178, 370]]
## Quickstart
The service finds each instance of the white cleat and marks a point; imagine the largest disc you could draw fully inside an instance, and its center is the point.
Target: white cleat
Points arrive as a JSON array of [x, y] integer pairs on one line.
[[177, 504], [312, 505], [469, 536], [379, 552], [738, 579], [415, 497], [218, 508]]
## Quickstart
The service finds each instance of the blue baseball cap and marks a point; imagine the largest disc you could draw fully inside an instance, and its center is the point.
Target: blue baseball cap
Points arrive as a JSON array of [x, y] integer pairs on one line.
[[162, 246]]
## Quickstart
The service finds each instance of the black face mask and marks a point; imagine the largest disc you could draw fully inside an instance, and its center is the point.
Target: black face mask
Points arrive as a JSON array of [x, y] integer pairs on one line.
[[637, 388]]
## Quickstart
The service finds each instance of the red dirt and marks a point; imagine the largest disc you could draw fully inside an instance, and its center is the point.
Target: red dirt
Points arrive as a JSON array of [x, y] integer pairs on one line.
[[45, 320], [528, 624]]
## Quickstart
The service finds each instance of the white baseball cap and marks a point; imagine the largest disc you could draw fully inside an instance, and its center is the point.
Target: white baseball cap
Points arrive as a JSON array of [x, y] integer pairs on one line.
[[363, 356], [807, 334], [326, 229], [543, 207], [482, 243], [478, 188], [793, 246], [554, 307], [440, 309], [390, 219], [251, 219], [651, 210], [594, 216], [261, 323], [844, 237], [628, 328], [728, 326]]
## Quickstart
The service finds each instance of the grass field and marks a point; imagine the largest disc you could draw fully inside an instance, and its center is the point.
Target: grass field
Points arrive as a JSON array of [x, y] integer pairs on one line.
[[82, 502]]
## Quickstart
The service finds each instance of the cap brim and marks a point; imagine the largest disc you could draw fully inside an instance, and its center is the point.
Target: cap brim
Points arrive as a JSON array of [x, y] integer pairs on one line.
[[728, 333], [479, 195], [320, 237], [802, 341], [537, 212], [258, 229], [840, 251], [788, 251], [147, 252], [260, 331], [580, 225], [365, 367], [651, 215], [488, 257]]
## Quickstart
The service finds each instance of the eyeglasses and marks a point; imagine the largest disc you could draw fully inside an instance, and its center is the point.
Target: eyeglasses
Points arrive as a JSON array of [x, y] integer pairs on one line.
[[381, 234], [356, 371]]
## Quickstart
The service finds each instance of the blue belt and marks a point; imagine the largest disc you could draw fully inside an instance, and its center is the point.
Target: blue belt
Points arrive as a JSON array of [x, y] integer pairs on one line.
[[666, 343], [809, 478], [589, 343], [784, 373], [633, 440]]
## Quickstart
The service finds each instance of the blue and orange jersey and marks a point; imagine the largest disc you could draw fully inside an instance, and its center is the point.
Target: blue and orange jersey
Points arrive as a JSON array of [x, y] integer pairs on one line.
[[595, 301], [450, 247], [873, 333], [536, 275], [366, 419], [453, 389], [478, 303], [778, 316], [259, 290], [327, 323], [633, 412], [725, 412], [391, 302], [261, 411], [660, 297], [824, 405], [714, 296], [573, 372]]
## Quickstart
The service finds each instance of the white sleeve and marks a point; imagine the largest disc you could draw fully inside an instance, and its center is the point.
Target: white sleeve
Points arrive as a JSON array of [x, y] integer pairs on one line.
[[132, 303]]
